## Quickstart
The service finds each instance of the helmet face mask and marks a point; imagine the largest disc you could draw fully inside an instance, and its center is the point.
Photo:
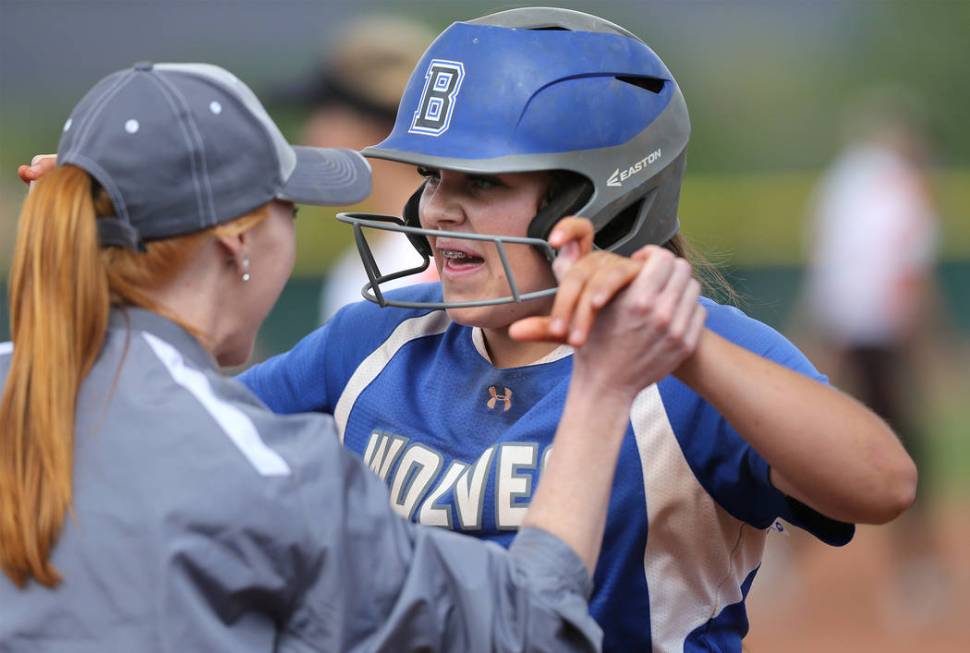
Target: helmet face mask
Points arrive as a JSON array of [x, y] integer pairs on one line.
[[372, 289], [541, 89]]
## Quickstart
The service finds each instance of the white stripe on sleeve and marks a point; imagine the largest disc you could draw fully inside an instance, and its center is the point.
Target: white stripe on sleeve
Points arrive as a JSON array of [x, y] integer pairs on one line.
[[433, 323], [235, 424]]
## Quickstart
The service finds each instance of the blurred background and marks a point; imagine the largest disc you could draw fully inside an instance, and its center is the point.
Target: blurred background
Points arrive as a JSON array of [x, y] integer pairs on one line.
[[830, 155]]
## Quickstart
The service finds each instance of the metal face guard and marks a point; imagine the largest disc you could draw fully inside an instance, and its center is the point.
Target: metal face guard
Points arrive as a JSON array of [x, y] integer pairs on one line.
[[372, 289]]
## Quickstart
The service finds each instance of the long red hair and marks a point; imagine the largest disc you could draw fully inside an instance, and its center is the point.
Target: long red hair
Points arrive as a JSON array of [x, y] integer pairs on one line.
[[62, 285]]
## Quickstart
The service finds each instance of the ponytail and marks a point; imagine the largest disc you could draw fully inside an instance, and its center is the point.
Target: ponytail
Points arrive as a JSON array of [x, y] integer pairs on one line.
[[59, 304], [62, 286]]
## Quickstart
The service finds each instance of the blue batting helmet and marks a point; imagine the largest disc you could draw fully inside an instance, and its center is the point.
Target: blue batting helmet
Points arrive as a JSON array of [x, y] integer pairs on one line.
[[555, 90]]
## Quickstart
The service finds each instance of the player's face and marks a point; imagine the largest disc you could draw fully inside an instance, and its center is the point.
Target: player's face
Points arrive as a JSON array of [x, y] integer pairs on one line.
[[271, 248], [501, 205]]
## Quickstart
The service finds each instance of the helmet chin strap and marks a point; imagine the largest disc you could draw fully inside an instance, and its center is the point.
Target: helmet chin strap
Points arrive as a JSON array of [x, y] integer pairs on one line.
[[411, 219]]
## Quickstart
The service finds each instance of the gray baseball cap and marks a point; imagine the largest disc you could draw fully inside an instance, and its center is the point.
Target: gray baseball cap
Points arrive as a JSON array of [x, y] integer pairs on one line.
[[183, 147]]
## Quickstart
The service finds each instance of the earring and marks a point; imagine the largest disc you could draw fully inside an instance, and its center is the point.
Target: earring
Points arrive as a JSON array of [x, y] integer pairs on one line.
[[246, 276]]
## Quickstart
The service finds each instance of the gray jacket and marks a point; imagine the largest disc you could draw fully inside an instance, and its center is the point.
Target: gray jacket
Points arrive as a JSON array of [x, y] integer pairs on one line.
[[204, 522]]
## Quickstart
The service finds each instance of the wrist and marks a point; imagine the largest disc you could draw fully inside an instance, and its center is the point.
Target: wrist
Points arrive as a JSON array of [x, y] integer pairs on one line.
[[689, 370], [600, 386]]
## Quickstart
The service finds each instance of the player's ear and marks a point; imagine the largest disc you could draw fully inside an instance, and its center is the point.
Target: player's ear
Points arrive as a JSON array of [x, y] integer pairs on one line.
[[234, 248]]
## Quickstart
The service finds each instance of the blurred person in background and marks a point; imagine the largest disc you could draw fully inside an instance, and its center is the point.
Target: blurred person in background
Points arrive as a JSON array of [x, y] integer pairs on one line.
[[352, 97], [870, 283]]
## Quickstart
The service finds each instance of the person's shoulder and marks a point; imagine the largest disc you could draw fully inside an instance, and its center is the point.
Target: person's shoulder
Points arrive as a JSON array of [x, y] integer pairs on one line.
[[736, 326], [416, 293], [262, 467], [240, 477], [310, 375], [207, 420], [365, 318], [732, 323], [273, 444], [298, 458]]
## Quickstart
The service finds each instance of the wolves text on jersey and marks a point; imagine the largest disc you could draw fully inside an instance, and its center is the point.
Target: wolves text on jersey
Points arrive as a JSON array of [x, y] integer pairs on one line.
[[426, 490]]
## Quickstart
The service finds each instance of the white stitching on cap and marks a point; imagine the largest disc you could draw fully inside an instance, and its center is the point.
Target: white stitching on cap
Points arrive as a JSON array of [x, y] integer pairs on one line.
[[96, 109], [238, 91], [194, 131], [96, 170], [195, 173], [339, 167]]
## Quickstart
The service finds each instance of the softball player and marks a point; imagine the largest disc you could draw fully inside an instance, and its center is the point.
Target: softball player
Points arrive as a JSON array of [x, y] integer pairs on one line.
[[201, 521], [452, 392]]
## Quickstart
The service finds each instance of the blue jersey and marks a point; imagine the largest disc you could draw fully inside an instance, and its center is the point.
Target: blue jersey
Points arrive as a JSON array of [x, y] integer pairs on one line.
[[462, 445]]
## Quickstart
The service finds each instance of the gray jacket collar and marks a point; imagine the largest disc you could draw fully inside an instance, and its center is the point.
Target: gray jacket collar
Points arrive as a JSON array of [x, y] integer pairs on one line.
[[131, 318]]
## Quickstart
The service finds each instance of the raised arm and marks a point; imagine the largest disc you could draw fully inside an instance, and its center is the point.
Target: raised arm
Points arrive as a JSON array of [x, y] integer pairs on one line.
[[627, 348], [825, 448]]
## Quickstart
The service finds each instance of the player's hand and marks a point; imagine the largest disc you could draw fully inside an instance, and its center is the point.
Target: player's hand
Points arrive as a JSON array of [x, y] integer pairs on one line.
[[648, 330], [588, 280], [633, 320], [39, 166]]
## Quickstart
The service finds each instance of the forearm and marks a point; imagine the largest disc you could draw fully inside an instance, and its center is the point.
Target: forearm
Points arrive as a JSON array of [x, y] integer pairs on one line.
[[573, 495], [824, 448]]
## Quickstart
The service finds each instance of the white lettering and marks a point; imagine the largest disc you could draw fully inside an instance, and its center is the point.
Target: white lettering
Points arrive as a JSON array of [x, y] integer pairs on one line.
[[513, 486], [383, 453], [470, 492], [419, 465], [618, 176], [433, 515], [371, 445]]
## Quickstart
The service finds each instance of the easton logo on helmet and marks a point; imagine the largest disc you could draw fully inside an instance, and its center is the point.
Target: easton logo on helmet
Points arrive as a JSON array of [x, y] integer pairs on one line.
[[617, 178], [441, 86]]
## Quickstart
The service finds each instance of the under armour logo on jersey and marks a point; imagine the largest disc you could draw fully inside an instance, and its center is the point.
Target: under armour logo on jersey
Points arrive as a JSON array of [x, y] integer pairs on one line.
[[441, 86], [495, 397]]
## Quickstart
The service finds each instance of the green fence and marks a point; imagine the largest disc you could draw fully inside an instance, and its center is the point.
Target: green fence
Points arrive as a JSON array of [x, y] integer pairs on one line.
[[767, 293]]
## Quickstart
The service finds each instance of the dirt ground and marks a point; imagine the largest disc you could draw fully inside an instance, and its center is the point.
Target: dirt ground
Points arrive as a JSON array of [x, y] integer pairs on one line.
[[810, 597]]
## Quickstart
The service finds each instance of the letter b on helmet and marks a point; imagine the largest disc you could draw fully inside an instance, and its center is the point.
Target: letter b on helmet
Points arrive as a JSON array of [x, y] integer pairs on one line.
[[441, 86]]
